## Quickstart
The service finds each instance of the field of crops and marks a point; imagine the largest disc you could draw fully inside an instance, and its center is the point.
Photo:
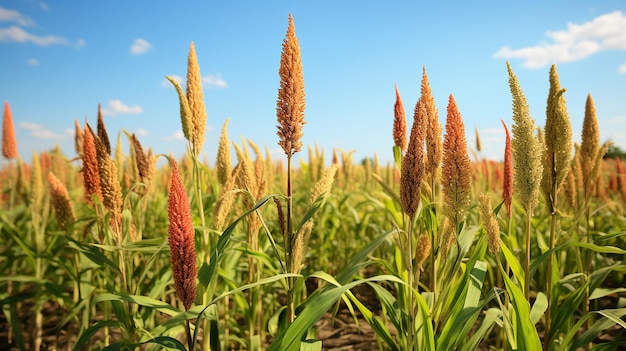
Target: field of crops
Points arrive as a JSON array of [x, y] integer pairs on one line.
[[439, 250]]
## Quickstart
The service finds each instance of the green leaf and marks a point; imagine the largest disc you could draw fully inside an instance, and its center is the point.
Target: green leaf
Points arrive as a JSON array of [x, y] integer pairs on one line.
[[514, 264], [207, 271], [598, 248], [165, 341], [314, 309], [526, 333], [139, 300], [88, 333], [93, 254], [602, 292], [311, 345], [397, 156], [538, 309], [466, 309]]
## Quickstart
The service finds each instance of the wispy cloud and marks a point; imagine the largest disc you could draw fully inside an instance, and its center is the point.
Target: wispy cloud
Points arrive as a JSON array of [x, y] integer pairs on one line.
[[178, 135], [33, 62], [19, 35], [618, 119], [140, 47], [7, 15], [621, 69], [141, 132], [117, 107], [214, 81], [578, 41], [209, 81], [37, 131]]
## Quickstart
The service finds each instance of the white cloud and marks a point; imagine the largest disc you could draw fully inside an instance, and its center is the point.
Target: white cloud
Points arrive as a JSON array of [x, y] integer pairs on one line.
[[166, 83], [578, 41], [140, 46], [79, 43], [7, 15], [618, 119], [178, 135], [43, 6], [19, 35], [37, 131], [117, 107], [209, 80], [33, 62], [214, 81], [141, 132], [29, 126], [621, 69]]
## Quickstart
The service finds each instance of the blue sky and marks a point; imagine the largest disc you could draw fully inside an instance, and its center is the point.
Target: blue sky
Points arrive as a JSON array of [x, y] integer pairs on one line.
[[60, 59]]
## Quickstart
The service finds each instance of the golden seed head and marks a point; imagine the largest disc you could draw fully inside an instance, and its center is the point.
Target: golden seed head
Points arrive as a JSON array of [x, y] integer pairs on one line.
[[290, 104], [78, 138], [61, 204], [558, 139], [570, 189], [181, 240], [507, 182], [224, 163], [433, 130], [185, 114], [246, 179], [258, 169], [195, 99], [225, 201], [399, 122], [119, 159], [447, 236], [490, 222], [590, 145], [324, 184], [577, 166], [36, 183], [527, 148], [456, 172], [299, 246], [422, 250], [412, 170], [479, 146], [110, 186], [9, 142]]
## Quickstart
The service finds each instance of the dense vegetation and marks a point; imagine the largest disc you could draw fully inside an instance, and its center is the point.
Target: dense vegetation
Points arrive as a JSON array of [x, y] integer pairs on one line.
[[460, 252]]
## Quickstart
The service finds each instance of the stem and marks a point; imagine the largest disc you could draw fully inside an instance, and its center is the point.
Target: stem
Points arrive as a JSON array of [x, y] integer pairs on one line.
[[549, 280], [408, 259], [587, 263], [527, 260], [288, 245], [434, 246], [190, 342]]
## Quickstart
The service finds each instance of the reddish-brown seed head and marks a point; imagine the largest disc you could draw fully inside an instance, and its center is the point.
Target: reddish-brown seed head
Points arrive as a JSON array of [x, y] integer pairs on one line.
[[9, 143], [399, 122], [456, 169], [181, 240]]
